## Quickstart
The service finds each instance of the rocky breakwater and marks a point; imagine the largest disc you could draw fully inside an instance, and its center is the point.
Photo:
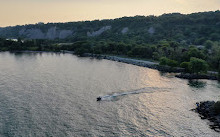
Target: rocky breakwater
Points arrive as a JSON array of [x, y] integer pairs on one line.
[[136, 62], [196, 76], [210, 110]]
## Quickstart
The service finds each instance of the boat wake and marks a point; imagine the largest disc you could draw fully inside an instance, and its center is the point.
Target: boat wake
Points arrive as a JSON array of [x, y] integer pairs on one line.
[[115, 96]]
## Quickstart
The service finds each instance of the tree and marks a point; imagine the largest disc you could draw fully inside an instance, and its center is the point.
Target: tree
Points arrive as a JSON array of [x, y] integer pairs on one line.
[[193, 52], [185, 65], [169, 62], [174, 45], [197, 65], [156, 56], [208, 44], [215, 36], [80, 51], [172, 63], [163, 61]]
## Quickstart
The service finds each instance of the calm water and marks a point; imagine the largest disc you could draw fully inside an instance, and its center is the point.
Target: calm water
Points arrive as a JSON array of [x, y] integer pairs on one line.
[[47, 94]]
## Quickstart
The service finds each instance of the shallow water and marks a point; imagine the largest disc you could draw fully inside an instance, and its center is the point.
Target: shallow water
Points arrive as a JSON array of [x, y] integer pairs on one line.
[[48, 94]]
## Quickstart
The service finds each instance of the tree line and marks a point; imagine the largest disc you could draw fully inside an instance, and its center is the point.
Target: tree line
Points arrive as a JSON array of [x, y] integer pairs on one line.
[[193, 58], [176, 40]]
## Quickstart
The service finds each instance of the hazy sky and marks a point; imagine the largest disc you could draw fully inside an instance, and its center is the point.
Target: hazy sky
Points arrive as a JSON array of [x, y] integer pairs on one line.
[[17, 12]]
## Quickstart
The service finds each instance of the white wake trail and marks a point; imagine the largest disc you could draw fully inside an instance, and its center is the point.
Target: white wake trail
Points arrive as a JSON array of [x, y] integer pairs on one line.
[[137, 91]]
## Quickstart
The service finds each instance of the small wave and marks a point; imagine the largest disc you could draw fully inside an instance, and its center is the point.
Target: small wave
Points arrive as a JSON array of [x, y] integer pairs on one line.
[[137, 91]]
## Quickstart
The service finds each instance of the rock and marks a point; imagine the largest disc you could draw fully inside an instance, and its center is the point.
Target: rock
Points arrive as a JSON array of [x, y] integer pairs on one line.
[[195, 76], [124, 30], [207, 111], [151, 30], [98, 32], [136, 62], [51, 33]]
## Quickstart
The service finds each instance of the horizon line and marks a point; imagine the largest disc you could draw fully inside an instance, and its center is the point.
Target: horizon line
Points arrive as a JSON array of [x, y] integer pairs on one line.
[[106, 18]]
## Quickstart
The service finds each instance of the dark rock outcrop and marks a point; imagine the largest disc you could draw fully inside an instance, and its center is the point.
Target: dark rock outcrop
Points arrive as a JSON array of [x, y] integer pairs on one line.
[[195, 76], [207, 111]]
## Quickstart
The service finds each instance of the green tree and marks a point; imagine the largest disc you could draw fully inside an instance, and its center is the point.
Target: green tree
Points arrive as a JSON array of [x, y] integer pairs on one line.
[[185, 65], [169, 62], [197, 65], [80, 51], [163, 61], [208, 44], [215, 36], [172, 63], [194, 52], [156, 56]]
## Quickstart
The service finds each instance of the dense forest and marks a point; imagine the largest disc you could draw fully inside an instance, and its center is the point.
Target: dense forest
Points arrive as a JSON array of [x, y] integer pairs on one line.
[[173, 39]]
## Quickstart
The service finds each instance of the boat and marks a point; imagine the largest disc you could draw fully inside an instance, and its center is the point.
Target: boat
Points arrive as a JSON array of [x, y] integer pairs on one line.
[[99, 98]]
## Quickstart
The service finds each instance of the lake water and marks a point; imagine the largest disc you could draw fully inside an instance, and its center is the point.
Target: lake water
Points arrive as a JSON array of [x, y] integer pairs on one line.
[[48, 94]]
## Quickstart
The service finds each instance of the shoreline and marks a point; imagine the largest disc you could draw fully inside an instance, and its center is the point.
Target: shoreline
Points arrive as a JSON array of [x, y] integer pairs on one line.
[[154, 65], [195, 76], [137, 62]]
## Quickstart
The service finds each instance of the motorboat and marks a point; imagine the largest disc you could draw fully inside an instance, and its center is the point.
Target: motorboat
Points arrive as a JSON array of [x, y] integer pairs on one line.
[[99, 98]]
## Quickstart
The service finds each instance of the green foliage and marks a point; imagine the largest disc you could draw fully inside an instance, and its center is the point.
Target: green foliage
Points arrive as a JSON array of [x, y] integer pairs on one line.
[[215, 36], [169, 62], [185, 65], [80, 51], [163, 61], [194, 52], [156, 56], [172, 63], [197, 65], [13, 45], [81, 47], [208, 44], [141, 51]]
